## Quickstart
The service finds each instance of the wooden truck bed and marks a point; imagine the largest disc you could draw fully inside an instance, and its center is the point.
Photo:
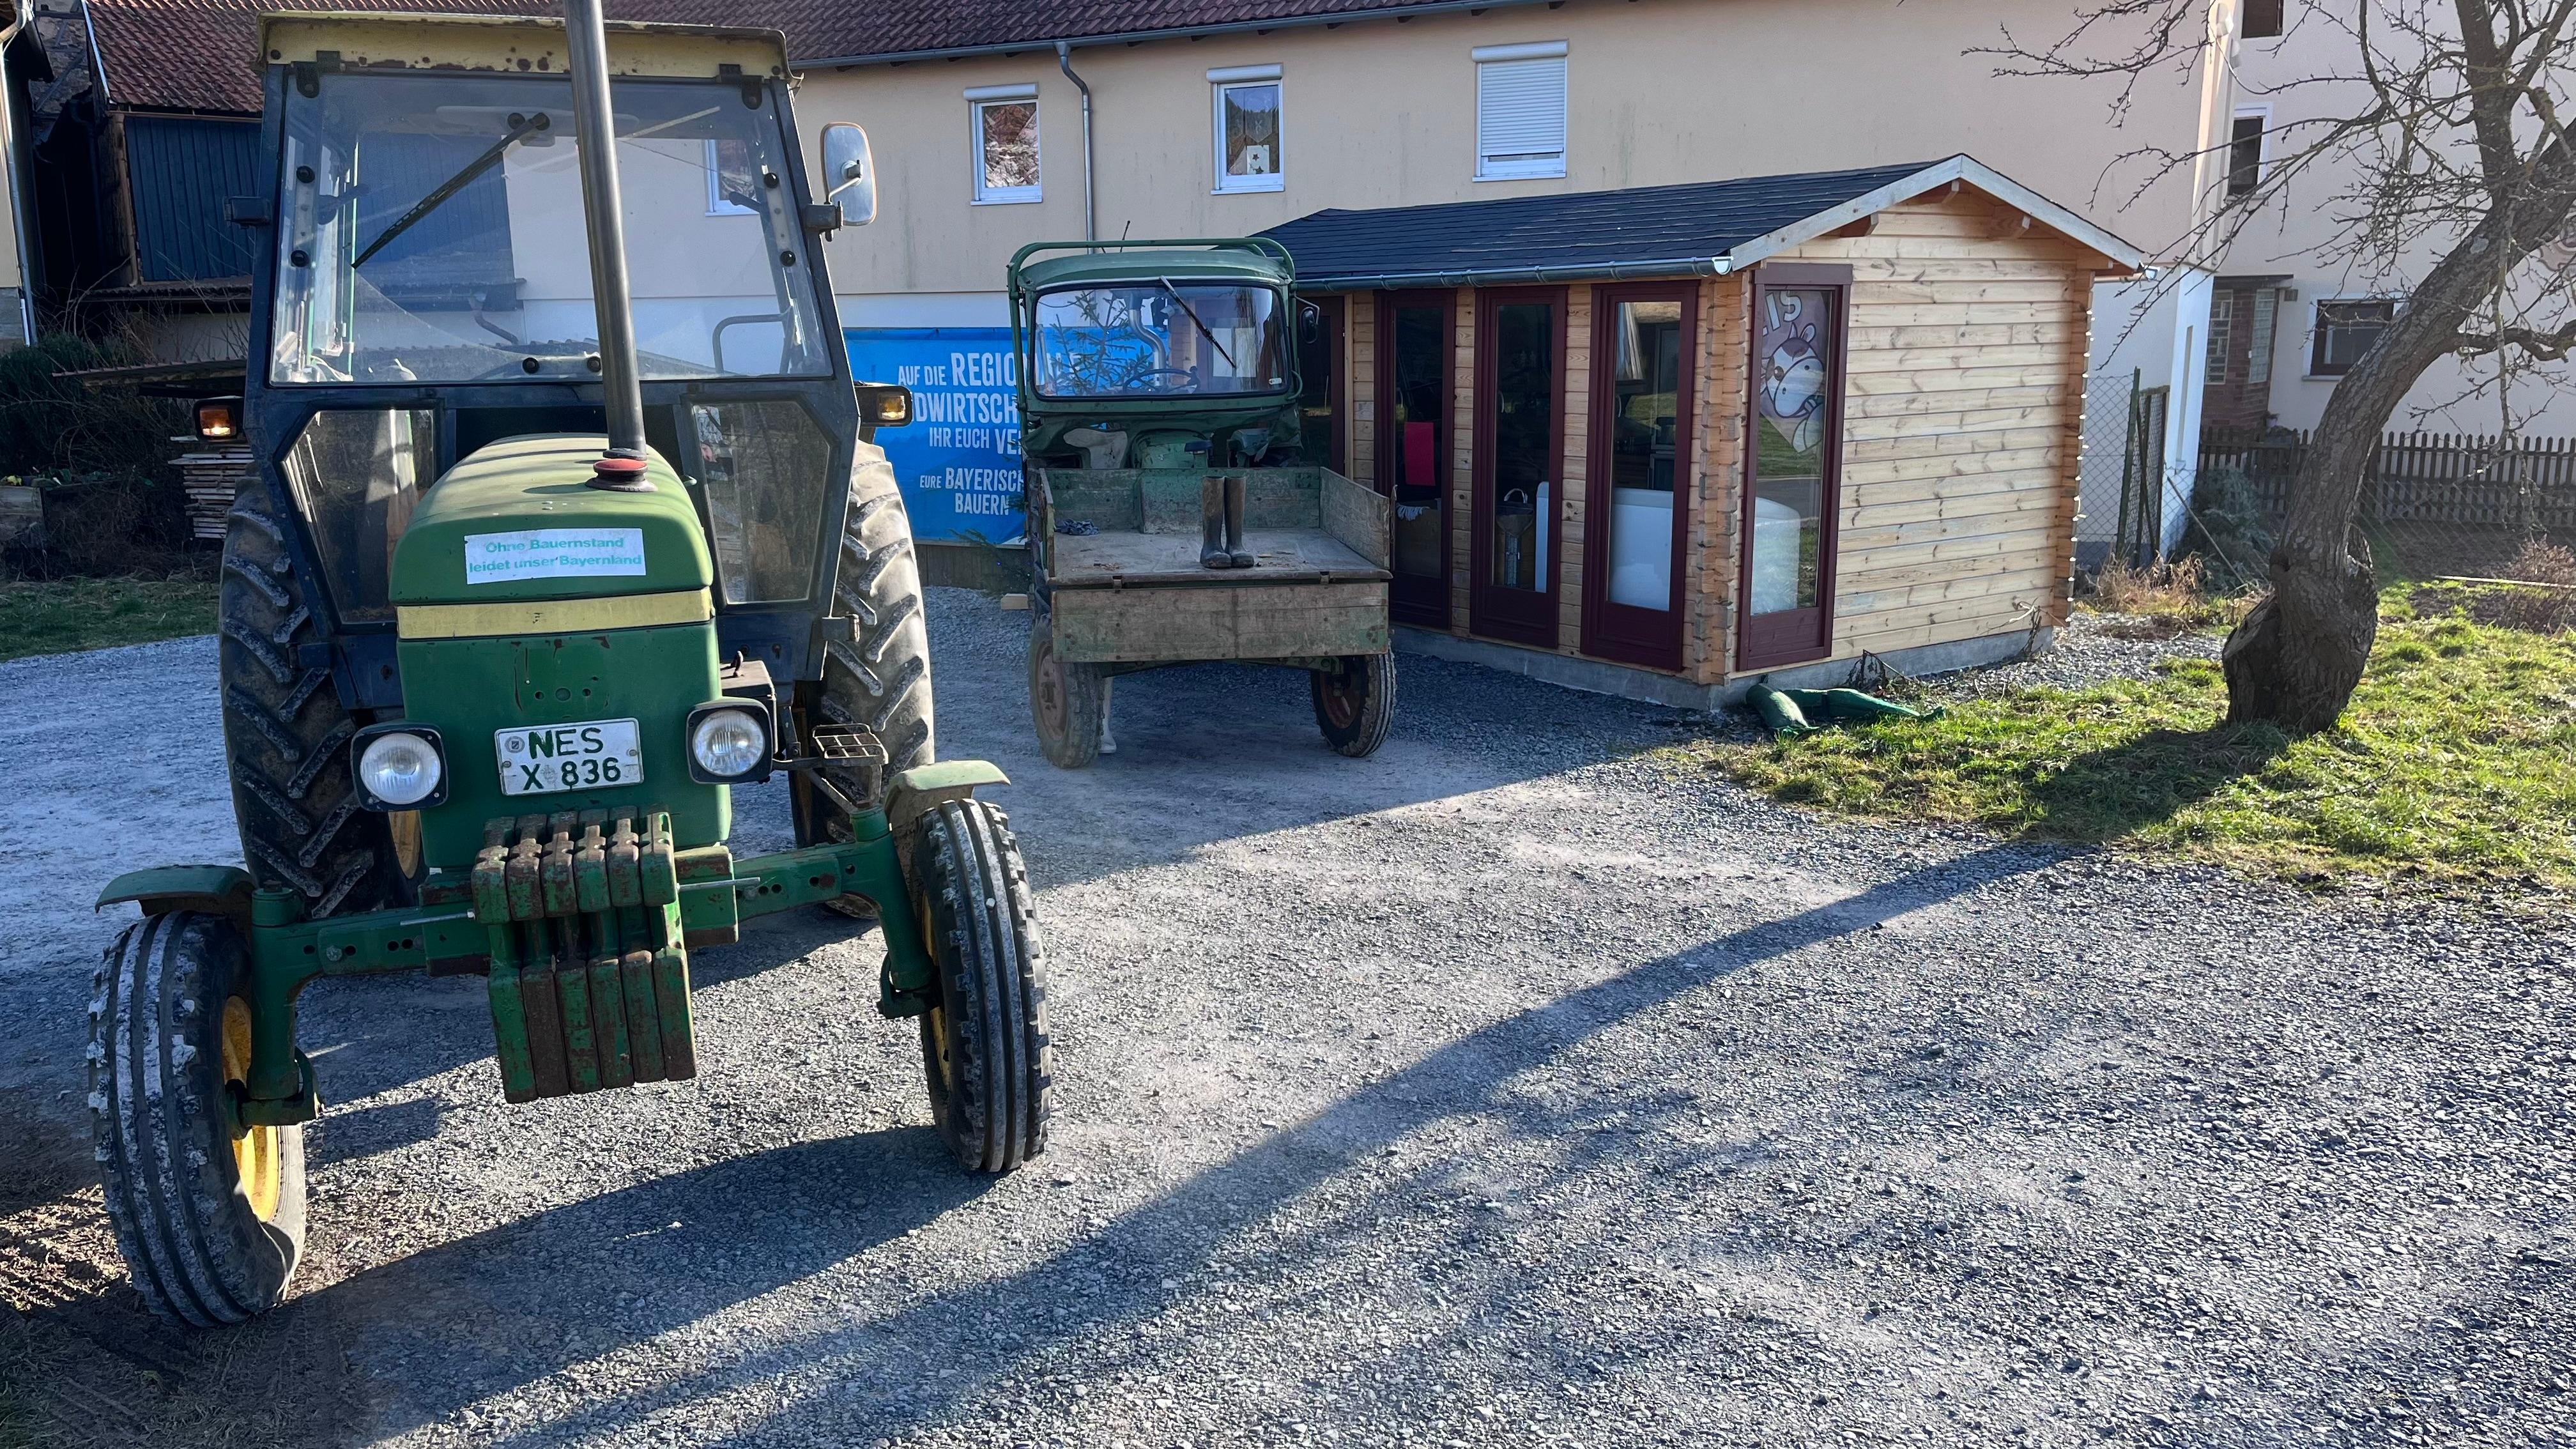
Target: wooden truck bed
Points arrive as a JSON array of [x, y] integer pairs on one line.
[[1132, 591]]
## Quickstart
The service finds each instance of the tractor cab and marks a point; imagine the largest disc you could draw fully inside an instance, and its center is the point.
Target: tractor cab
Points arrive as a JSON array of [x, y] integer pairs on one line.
[[1155, 354]]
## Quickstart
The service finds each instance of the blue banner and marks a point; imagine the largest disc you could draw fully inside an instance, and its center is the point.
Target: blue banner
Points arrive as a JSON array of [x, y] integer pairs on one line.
[[958, 461]]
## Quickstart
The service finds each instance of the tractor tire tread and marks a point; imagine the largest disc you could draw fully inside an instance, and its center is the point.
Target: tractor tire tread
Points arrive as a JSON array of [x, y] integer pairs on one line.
[[982, 921], [199, 1256], [286, 736], [881, 679]]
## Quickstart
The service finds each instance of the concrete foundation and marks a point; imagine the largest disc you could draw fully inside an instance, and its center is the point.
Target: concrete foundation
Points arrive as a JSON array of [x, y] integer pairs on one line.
[[1599, 677]]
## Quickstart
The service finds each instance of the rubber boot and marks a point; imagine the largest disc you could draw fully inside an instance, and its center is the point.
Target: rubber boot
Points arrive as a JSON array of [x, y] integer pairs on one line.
[[1234, 542], [1212, 554]]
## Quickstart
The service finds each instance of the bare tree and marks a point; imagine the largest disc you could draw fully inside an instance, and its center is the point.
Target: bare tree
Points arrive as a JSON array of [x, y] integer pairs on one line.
[[2442, 132]]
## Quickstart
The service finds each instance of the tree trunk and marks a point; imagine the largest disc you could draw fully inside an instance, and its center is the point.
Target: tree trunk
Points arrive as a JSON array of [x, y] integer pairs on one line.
[[2296, 659]]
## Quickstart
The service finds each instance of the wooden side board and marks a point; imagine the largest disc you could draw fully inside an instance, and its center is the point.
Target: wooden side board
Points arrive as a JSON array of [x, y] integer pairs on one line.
[[1249, 621]]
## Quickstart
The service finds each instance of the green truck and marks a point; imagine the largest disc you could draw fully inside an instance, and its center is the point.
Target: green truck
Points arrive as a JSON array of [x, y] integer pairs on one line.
[[557, 541], [1170, 519]]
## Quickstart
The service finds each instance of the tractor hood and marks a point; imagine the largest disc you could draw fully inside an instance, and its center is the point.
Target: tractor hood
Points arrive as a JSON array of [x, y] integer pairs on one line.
[[517, 520]]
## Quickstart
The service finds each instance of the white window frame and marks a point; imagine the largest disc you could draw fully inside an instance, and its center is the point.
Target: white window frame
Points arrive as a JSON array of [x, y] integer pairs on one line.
[[979, 97], [2222, 340], [1230, 78], [1522, 166], [716, 203], [2262, 151]]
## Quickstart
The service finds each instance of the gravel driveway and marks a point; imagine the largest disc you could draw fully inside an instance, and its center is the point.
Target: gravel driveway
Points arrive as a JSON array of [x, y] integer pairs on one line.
[[1516, 1086]]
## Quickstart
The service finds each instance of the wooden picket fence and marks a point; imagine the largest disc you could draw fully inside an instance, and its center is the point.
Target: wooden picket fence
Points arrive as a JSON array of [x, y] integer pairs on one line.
[[2471, 483]]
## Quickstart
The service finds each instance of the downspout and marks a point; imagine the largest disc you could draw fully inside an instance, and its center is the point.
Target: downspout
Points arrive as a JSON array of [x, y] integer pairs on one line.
[[1090, 210], [9, 159]]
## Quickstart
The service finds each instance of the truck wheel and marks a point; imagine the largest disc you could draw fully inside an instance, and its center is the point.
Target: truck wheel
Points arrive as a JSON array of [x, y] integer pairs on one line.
[[882, 679], [1355, 702], [1065, 699], [210, 1220], [984, 1047], [286, 738]]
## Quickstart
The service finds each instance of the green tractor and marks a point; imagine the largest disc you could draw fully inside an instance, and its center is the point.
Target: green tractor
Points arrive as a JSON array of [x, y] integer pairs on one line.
[[557, 540]]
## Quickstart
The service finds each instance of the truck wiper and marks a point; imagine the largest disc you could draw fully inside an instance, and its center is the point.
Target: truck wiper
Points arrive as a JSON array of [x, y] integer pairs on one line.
[[1194, 318], [521, 127]]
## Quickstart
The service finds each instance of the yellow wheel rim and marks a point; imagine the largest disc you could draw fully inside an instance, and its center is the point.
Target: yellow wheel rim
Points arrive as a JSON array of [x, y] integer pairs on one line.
[[404, 826], [255, 1152]]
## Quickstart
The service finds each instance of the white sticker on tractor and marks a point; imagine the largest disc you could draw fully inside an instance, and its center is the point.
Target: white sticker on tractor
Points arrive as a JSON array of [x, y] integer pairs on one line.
[[553, 553]]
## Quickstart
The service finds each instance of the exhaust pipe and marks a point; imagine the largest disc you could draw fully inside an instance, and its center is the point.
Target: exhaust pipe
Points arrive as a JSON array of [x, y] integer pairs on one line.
[[622, 466]]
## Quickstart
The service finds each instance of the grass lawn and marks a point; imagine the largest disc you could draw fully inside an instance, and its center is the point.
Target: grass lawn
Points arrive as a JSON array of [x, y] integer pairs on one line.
[[56, 616], [2453, 771]]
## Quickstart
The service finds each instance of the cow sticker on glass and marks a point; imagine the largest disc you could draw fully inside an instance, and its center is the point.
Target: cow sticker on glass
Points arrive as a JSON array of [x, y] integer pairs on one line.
[[1793, 414]]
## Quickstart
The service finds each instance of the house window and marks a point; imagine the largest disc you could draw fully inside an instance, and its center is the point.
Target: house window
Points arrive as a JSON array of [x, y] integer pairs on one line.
[[2345, 330], [1520, 111], [731, 182], [2245, 153], [1247, 128], [2261, 18], [2258, 357], [1006, 143], [2222, 331]]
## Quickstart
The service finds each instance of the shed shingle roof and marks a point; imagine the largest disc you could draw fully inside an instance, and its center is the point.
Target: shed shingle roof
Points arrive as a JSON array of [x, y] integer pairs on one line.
[[1641, 231], [196, 55]]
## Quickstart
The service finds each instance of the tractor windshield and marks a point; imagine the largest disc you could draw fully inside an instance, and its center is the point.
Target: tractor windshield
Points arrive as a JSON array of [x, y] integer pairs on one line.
[[1160, 338], [430, 229]]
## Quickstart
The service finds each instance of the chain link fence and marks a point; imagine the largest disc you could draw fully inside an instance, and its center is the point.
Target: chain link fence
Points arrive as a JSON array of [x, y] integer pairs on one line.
[[2124, 497]]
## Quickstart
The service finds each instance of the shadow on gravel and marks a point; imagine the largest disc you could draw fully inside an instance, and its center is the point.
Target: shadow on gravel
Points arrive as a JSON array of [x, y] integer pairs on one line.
[[674, 1251], [1112, 1276]]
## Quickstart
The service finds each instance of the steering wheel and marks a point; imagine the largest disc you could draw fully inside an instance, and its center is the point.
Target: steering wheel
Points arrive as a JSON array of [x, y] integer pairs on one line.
[[1142, 374]]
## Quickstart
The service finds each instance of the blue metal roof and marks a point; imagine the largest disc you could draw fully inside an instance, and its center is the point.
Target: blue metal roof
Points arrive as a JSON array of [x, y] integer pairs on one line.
[[1702, 227]]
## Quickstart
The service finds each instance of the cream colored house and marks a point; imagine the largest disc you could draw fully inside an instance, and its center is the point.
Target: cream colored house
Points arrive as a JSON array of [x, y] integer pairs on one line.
[[2288, 317]]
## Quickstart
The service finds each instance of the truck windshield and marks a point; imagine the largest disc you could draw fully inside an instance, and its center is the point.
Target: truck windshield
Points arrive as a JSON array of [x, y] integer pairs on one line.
[[1160, 338], [430, 229]]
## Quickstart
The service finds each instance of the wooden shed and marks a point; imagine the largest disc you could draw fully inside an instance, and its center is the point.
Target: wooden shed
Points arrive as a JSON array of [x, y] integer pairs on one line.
[[1661, 441]]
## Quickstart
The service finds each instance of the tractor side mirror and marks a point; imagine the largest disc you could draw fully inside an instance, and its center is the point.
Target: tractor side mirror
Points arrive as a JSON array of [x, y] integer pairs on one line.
[[849, 175], [1310, 322]]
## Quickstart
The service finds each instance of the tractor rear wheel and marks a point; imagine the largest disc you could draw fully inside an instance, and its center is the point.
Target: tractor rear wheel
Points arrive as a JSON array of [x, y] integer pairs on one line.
[[1355, 702], [881, 679], [286, 738], [1066, 700], [209, 1218], [985, 1045]]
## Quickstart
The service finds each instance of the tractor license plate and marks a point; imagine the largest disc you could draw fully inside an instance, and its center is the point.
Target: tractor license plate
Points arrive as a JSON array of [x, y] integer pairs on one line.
[[548, 759]]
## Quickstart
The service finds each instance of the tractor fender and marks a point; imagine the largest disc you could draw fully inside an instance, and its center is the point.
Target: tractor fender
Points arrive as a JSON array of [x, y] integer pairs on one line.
[[913, 793], [217, 890]]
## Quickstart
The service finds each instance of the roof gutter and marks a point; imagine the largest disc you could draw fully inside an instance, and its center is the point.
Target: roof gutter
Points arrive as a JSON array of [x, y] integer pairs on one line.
[[1171, 32], [1489, 276]]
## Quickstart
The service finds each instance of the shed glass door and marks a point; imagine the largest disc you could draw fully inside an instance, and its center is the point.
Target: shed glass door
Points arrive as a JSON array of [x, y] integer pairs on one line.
[[1637, 495], [1415, 344], [1794, 467], [1520, 451]]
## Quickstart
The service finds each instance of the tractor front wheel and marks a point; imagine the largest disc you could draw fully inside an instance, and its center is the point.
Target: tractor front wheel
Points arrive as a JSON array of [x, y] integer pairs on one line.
[[208, 1215], [1355, 702], [1066, 701], [985, 1045]]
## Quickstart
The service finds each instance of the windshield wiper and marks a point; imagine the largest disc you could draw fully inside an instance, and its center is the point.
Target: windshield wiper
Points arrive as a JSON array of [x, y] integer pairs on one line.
[[521, 127], [1194, 318]]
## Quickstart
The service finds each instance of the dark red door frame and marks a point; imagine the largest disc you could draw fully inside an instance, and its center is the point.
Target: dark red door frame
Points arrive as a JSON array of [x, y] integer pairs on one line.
[[1792, 636], [1330, 312], [1519, 615], [1623, 631], [1413, 599]]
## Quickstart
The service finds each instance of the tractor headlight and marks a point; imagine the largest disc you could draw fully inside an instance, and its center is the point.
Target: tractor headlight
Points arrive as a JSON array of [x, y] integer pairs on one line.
[[399, 768], [727, 743]]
